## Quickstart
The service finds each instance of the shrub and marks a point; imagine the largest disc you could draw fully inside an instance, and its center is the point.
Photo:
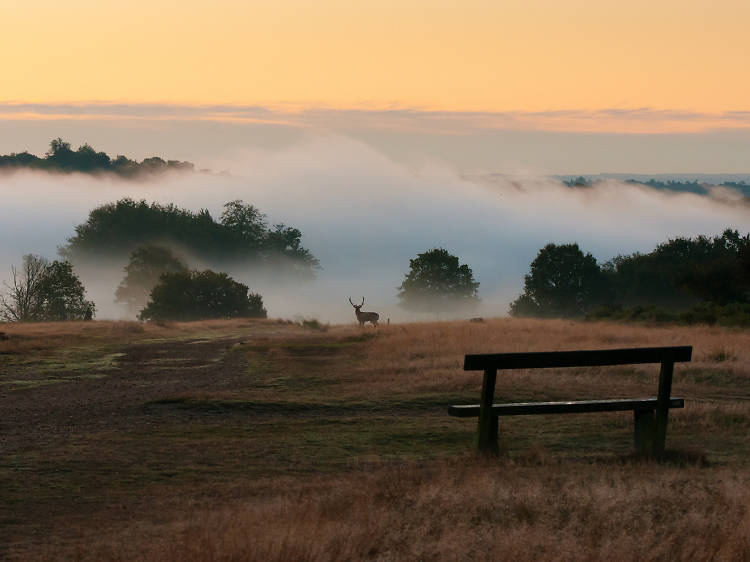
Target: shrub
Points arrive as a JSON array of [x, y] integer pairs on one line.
[[199, 295]]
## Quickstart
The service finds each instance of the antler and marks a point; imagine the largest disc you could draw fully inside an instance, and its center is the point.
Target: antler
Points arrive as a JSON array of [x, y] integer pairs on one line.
[[350, 301], [357, 306]]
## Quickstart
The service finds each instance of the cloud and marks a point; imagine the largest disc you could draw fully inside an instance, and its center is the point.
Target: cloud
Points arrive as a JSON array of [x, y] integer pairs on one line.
[[643, 120]]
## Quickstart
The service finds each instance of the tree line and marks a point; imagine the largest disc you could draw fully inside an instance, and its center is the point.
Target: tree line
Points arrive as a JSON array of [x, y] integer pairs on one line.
[[702, 279], [62, 158], [685, 186]]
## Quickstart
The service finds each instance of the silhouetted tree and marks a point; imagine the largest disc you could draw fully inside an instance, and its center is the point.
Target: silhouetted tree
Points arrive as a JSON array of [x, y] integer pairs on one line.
[[114, 230], [22, 303], [43, 291], [62, 158], [63, 294], [60, 154], [684, 271], [562, 282], [142, 273], [437, 282], [197, 295]]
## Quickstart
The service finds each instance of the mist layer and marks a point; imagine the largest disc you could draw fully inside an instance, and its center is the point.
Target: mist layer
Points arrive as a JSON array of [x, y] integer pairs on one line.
[[364, 216]]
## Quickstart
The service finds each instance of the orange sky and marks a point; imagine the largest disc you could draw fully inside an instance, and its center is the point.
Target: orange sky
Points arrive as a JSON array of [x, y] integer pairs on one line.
[[510, 55]]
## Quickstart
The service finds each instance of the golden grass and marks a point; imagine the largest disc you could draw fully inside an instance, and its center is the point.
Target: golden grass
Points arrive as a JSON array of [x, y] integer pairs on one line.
[[429, 357], [558, 493], [461, 509]]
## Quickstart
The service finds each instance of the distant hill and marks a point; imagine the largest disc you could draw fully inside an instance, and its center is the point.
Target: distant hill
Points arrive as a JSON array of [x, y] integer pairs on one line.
[[61, 158]]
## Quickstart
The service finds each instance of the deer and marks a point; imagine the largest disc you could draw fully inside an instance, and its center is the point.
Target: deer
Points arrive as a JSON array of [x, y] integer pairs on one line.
[[362, 317]]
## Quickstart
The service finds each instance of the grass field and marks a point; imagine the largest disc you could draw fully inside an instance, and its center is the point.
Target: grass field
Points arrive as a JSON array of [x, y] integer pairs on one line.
[[266, 440]]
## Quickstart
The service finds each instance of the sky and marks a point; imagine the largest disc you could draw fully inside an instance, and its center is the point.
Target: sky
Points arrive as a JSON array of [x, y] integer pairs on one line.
[[481, 85], [374, 126], [476, 55]]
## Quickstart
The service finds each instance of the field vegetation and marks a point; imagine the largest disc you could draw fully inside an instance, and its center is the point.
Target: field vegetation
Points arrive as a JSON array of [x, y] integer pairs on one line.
[[275, 440]]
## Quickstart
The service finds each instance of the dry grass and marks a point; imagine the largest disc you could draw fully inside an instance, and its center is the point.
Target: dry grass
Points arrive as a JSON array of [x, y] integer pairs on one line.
[[461, 510], [336, 446]]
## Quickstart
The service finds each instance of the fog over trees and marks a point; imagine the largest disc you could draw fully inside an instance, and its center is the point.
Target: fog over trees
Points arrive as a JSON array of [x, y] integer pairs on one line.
[[145, 266], [242, 235]]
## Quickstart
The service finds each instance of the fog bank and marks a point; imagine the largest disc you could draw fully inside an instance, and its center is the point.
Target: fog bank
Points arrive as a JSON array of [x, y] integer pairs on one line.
[[364, 216]]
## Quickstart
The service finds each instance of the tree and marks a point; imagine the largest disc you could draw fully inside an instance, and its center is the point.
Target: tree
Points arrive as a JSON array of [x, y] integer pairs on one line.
[[43, 291], [682, 272], [23, 302], [63, 294], [562, 282], [62, 158], [436, 281], [114, 230], [245, 221], [198, 295], [146, 265]]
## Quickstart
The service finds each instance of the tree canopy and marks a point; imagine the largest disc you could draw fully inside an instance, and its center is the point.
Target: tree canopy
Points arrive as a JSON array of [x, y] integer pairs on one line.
[[678, 275], [684, 271], [242, 235], [563, 281], [62, 158], [198, 295], [436, 281]]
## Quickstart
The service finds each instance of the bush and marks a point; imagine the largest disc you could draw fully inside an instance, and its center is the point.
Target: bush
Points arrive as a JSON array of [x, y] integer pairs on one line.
[[200, 295]]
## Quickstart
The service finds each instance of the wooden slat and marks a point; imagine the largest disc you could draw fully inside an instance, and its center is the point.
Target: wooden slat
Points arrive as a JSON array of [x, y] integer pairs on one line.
[[577, 407], [587, 358]]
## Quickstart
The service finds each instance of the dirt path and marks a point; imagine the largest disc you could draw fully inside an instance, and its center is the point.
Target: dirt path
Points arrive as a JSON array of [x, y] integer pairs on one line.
[[111, 399], [76, 443]]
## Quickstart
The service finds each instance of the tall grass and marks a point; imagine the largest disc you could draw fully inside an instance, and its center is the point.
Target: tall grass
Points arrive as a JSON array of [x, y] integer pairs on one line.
[[463, 509]]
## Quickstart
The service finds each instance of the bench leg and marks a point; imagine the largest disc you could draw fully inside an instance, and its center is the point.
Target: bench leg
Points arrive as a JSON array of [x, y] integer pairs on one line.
[[487, 421], [662, 410], [645, 431], [488, 433]]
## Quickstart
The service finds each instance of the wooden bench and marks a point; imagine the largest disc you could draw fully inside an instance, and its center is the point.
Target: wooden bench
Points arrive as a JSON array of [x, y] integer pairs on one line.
[[650, 430]]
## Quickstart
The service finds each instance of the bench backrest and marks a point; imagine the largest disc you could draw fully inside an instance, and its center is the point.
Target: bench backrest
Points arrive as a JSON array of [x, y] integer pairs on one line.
[[588, 358], [491, 363]]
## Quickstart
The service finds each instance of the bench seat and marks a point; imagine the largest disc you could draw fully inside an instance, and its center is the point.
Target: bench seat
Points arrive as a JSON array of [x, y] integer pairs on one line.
[[568, 407]]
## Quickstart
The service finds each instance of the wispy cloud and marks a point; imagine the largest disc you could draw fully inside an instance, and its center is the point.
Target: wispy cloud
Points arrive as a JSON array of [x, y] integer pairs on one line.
[[607, 120]]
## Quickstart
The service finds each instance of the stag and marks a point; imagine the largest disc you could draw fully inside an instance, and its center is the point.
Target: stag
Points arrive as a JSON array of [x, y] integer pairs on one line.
[[362, 317]]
